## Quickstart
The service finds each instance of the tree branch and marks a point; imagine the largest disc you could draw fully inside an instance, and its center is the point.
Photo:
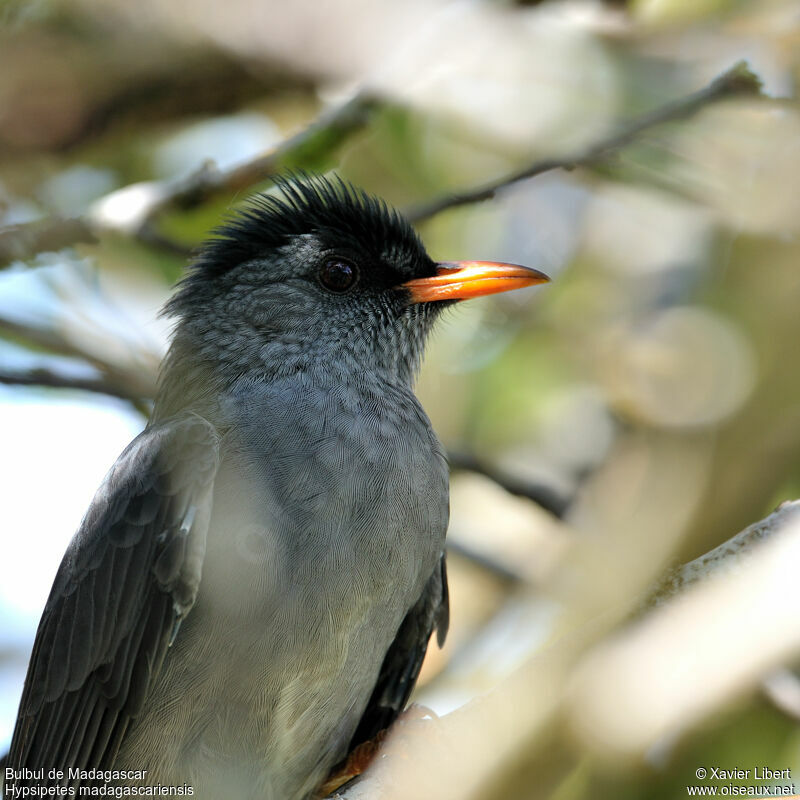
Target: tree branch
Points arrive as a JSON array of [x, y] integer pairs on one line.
[[139, 385], [134, 210], [730, 554], [484, 561], [24, 241], [312, 144], [135, 384], [624, 693], [737, 81], [52, 378], [557, 503], [309, 148]]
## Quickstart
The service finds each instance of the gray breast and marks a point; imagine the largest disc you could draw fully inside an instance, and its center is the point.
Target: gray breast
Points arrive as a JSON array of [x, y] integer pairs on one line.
[[330, 509]]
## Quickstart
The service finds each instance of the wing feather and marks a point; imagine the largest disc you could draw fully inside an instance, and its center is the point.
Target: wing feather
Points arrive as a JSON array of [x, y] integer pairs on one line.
[[403, 660], [129, 575]]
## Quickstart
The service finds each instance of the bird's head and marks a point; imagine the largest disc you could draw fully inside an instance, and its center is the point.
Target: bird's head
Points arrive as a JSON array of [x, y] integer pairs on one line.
[[320, 277]]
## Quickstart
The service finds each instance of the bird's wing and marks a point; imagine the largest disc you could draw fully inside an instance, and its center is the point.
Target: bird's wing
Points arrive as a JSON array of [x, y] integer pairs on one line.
[[404, 658], [128, 578]]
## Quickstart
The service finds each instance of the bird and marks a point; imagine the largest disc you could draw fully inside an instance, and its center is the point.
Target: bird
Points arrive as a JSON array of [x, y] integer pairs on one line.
[[251, 592]]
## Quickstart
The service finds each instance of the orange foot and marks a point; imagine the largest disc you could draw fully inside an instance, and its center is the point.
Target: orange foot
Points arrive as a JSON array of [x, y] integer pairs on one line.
[[356, 763], [359, 759]]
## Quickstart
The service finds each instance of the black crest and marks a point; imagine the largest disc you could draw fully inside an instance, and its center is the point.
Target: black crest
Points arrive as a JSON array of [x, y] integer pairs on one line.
[[307, 204]]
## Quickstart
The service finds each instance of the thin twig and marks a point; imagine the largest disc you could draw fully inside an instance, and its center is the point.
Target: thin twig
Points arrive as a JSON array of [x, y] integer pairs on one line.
[[50, 378], [310, 148], [737, 81], [135, 383], [42, 337], [557, 503], [312, 144]]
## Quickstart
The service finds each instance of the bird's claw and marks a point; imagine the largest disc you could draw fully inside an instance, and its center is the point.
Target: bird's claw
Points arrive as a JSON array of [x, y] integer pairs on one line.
[[362, 757]]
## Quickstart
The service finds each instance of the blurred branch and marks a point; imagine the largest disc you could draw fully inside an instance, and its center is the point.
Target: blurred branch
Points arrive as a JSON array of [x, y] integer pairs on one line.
[[782, 689], [614, 693], [135, 383], [323, 136], [43, 337], [737, 81], [725, 557], [732, 621], [116, 78], [138, 387], [22, 242], [306, 149], [51, 378], [134, 210], [484, 560], [545, 496]]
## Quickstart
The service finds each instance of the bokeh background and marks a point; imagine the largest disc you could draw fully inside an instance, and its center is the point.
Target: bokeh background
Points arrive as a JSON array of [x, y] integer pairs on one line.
[[633, 414]]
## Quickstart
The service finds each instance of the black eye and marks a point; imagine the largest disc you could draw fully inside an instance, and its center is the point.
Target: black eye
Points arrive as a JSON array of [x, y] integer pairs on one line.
[[338, 276]]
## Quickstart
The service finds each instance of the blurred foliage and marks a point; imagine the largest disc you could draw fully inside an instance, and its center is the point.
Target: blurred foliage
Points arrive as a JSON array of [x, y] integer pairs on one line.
[[668, 336]]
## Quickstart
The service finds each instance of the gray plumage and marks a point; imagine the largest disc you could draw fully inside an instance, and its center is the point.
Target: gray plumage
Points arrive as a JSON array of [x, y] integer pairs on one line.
[[253, 587]]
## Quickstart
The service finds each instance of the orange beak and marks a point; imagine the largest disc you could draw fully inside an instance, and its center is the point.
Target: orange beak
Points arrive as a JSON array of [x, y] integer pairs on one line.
[[460, 280]]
